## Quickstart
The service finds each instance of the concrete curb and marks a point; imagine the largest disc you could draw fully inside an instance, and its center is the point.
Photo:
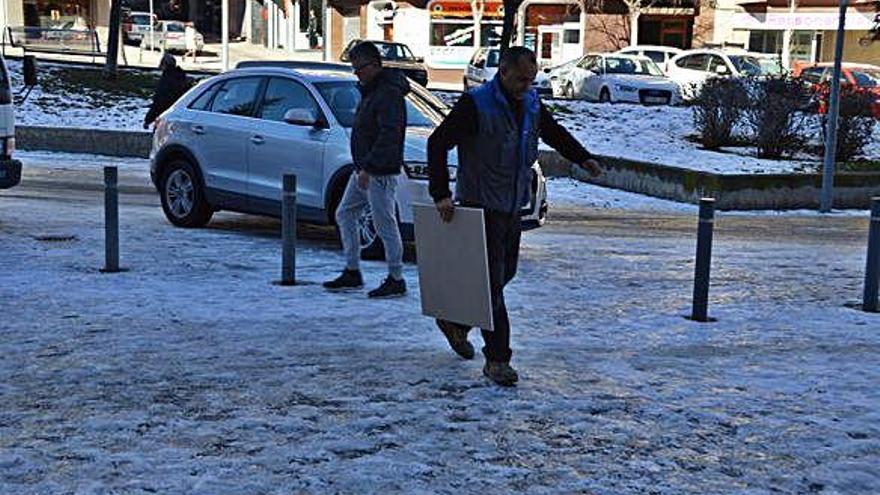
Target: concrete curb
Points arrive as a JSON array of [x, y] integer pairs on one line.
[[731, 192], [135, 144]]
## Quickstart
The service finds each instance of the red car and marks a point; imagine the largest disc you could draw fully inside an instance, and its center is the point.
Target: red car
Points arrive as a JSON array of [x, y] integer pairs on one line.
[[857, 77]]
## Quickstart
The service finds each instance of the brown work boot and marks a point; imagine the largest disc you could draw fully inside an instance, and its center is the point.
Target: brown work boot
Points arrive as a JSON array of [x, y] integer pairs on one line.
[[457, 338], [500, 373]]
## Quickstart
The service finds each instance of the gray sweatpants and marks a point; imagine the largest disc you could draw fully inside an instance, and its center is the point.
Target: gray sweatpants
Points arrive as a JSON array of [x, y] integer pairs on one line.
[[379, 195]]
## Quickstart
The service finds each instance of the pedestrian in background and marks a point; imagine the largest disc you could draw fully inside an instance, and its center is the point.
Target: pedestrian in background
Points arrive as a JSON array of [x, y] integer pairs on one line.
[[172, 85], [377, 139]]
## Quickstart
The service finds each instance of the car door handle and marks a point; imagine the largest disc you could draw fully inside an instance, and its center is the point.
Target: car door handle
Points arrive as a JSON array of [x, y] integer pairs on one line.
[[197, 129], [258, 140]]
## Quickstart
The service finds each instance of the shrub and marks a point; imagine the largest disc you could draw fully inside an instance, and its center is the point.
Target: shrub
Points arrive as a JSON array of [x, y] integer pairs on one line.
[[855, 125], [717, 109], [774, 116]]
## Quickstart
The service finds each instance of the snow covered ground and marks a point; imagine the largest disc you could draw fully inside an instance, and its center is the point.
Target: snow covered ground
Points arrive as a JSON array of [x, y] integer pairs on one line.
[[192, 373], [53, 103]]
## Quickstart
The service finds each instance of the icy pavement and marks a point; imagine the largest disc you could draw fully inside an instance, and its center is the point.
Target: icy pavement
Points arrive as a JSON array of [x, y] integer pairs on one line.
[[192, 373]]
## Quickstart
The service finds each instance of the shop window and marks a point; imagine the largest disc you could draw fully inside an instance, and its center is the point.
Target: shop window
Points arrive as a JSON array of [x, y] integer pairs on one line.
[[572, 36]]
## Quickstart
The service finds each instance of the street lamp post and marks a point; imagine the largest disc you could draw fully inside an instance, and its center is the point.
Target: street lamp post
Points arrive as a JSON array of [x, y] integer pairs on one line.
[[833, 113], [224, 35]]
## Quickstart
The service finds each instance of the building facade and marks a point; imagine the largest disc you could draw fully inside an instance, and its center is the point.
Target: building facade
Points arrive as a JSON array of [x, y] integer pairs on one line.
[[801, 31]]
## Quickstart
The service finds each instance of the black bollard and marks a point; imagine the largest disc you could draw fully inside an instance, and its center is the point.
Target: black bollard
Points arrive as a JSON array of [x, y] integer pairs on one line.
[[111, 221], [704, 260], [288, 231], [872, 268]]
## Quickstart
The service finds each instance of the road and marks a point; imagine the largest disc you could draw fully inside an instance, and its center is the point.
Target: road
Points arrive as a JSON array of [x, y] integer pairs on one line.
[[192, 373]]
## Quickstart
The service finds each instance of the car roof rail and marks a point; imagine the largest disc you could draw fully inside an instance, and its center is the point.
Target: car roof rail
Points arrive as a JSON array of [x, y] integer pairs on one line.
[[294, 65]]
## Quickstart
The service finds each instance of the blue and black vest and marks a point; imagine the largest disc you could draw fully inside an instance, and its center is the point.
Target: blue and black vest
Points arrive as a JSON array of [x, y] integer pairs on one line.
[[495, 165]]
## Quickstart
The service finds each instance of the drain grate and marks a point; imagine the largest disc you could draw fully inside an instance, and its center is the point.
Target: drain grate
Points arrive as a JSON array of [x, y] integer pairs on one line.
[[56, 238]]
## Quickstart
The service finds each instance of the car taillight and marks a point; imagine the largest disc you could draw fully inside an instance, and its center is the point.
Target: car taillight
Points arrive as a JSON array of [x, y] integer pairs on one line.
[[127, 27], [8, 146]]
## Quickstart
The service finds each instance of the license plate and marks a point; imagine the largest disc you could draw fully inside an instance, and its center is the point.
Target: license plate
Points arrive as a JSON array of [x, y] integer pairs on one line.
[[655, 99]]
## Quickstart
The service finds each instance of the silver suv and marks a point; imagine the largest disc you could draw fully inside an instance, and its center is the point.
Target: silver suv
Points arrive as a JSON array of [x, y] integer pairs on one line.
[[10, 169], [226, 144]]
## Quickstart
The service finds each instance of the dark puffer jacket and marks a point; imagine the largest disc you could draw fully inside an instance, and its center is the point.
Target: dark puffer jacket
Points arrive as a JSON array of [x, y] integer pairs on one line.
[[377, 137], [172, 85]]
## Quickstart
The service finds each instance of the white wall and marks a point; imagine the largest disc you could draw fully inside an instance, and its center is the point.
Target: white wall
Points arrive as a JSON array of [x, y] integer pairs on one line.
[[411, 26]]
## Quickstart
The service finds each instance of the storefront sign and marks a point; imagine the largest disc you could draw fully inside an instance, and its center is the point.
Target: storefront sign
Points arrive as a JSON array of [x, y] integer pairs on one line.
[[813, 21]]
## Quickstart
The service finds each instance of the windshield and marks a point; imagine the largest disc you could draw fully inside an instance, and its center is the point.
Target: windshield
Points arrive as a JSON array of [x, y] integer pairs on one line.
[[614, 65], [867, 78], [392, 51], [749, 66], [343, 98], [175, 28]]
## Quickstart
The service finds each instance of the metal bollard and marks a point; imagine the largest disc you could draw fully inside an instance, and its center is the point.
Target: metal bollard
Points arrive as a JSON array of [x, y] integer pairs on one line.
[[288, 231], [872, 268], [704, 260], [111, 221]]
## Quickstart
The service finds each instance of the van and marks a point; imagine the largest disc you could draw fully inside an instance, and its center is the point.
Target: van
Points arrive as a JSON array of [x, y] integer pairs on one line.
[[10, 169]]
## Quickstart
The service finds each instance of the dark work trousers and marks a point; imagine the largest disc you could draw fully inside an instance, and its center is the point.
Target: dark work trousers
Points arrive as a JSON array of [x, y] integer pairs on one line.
[[503, 233]]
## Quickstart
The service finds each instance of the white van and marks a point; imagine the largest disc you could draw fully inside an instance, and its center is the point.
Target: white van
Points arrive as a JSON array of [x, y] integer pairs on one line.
[[10, 170]]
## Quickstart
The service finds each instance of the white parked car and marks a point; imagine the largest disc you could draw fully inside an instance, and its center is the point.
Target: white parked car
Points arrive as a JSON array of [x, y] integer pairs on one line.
[[692, 68], [136, 26], [557, 75], [484, 65], [661, 55], [610, 78], [172, 36]]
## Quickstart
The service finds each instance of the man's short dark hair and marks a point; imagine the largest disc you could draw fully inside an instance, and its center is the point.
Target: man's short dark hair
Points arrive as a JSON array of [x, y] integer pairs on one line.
[[514, 56], [366, 52]]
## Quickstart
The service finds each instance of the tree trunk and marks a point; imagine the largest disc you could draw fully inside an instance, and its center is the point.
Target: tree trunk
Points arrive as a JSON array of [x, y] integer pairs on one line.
[[113, 39], [634, 15], [510, 9]]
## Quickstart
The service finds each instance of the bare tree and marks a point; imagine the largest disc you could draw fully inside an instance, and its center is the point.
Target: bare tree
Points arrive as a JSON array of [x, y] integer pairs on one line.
[[511, 7], [113, 39]]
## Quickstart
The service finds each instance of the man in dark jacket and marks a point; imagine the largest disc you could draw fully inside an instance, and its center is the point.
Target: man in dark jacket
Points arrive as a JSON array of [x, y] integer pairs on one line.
[[496, 128], [377, 139], [172, 85]]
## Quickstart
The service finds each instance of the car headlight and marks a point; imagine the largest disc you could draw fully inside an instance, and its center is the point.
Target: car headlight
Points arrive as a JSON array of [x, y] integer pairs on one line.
[[419, 171], [625, 89]]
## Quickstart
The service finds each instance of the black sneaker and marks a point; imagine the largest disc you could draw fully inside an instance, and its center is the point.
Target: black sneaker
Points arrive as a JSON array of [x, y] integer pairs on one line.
[[350, 279], [500, 373], [457, 335], [389, 288]]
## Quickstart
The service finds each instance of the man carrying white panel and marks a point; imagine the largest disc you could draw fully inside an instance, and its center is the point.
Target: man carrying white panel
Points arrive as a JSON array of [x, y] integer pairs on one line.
[[496, 128]]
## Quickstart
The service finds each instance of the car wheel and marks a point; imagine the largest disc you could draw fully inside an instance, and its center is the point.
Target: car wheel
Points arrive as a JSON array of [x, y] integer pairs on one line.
[[182, 196], [604, 96]]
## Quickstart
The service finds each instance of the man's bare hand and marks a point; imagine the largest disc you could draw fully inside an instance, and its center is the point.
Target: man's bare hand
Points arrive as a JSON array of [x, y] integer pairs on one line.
[[446, 209], [592, 166], [363, 179]]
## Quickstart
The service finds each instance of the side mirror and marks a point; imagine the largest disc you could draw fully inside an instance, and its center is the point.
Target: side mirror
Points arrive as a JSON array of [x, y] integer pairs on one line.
[[302, 116], [30, 71], [721, 70], [420, 60]]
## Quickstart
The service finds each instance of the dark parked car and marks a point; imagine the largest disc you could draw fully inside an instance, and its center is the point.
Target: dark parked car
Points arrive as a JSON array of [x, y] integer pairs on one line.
[[397, 56]]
